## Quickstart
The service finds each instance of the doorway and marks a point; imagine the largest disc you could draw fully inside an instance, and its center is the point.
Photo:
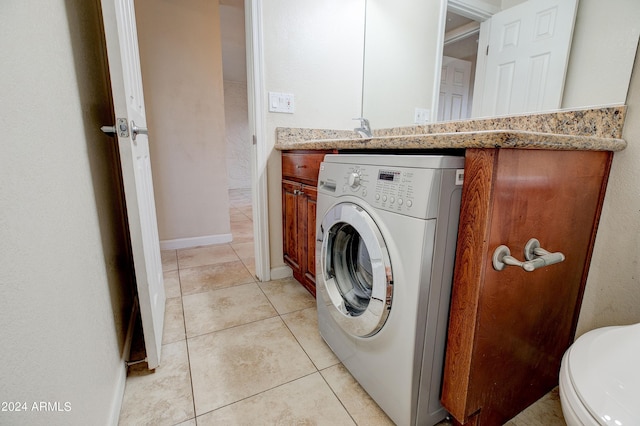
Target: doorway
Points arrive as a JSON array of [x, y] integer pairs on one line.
[[198, 108], [459, 58]]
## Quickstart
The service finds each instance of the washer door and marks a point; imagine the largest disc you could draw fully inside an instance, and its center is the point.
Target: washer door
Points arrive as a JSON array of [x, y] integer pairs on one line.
[[356, 279]]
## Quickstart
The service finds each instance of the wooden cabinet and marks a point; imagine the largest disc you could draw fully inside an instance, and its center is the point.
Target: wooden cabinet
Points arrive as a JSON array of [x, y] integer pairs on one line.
[[299, 195], [509, 329]]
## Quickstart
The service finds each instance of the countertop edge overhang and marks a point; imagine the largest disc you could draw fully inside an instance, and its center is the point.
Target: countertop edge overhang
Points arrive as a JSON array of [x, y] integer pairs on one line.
[[594, 129]]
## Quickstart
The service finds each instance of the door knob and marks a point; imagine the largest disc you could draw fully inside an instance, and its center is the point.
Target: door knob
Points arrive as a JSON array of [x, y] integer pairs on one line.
[[135, 130]]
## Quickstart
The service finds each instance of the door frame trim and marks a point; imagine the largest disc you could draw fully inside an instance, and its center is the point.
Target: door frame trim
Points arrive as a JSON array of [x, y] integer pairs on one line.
[[477, 10], [257, 126]]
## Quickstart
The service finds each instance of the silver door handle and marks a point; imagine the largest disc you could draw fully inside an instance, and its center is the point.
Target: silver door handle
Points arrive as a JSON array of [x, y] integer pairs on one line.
[[536, 256], [135, 130]]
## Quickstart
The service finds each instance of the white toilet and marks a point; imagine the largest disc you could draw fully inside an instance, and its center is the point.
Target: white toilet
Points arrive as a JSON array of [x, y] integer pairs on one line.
[[600, 378]]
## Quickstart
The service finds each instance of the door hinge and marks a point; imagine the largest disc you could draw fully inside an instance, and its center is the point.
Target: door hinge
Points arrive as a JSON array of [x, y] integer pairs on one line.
[[255, 140], [487, 50]]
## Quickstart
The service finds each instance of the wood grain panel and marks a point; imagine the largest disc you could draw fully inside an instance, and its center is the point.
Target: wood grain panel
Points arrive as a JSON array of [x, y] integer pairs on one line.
[[302, 166], [309, 257], [471, 248], [290, 227], [509, 329]]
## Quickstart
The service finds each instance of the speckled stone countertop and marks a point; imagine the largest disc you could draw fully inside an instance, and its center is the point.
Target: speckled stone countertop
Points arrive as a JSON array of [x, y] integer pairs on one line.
[[594, 129]]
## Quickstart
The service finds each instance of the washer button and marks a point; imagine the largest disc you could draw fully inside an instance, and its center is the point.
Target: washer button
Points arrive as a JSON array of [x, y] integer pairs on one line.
[[393, 200], [384, 198], [377, 196], [400, 201], [409, 203]]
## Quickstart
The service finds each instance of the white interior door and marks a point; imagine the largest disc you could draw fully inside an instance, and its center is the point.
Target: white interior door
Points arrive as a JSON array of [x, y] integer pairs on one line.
[[522, 62], [126, 85], [455, 79]]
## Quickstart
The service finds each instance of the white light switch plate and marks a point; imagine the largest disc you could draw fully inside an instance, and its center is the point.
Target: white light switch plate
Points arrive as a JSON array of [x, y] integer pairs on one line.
[[281, 102]]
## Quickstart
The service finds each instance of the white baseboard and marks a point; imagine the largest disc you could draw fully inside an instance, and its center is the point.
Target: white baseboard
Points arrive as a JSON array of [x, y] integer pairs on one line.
[[280, 272], [116, 404], [121, 379], [207, 240]]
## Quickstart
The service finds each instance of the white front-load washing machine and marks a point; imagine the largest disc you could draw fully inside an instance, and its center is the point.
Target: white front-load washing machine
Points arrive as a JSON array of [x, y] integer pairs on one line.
[[386, 233]]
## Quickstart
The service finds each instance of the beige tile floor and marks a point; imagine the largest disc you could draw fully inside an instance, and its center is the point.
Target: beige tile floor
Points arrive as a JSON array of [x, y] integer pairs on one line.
[[240, 352]]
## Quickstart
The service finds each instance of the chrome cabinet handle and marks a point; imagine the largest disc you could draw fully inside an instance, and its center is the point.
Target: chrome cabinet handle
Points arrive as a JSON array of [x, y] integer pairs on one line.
[[536, 256]]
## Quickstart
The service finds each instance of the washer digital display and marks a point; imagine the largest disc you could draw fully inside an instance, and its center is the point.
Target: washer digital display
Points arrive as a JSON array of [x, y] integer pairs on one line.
[[388, 176]]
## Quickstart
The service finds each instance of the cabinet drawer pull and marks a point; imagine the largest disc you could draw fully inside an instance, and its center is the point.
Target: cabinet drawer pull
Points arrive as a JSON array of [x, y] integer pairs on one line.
[[536, 256], [301, 166]]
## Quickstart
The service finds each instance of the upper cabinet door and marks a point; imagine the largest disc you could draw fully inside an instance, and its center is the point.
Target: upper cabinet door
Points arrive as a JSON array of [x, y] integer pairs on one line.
[[522, 58], [126, 85]]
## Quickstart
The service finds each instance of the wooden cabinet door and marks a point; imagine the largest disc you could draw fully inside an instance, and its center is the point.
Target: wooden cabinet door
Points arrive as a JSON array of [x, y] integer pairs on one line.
[[290, 224], [308, 258], [299, 194], [509, 329]]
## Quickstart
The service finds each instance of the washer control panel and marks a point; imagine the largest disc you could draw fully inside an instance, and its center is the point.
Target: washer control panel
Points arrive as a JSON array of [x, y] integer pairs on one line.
[[389, 188], [397, 189], [407, 185]]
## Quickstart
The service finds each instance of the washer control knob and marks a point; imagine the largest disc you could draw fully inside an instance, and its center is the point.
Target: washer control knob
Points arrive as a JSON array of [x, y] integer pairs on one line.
[[354, 179]]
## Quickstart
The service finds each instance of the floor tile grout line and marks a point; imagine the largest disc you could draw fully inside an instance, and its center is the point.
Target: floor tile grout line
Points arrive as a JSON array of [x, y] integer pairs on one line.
[[268, 299], [260, 393], [186, 342], [299, 343], [215, 263], [335, 394], [232, 327], [253, 281], [267, 296]]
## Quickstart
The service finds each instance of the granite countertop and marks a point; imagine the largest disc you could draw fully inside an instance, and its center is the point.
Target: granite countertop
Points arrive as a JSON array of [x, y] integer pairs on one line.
[[594, 129]]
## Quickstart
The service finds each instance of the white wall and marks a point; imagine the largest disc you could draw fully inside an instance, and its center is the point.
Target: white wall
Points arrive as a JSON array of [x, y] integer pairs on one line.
[[234, 65], [612, 294], [603, 49], [312, 49], [402, 40], [64, 297], [180, 53], [238, 136], [234, 59]]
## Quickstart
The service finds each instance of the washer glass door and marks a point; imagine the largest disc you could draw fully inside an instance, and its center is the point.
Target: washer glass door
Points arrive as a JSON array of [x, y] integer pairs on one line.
[[356, 281]]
